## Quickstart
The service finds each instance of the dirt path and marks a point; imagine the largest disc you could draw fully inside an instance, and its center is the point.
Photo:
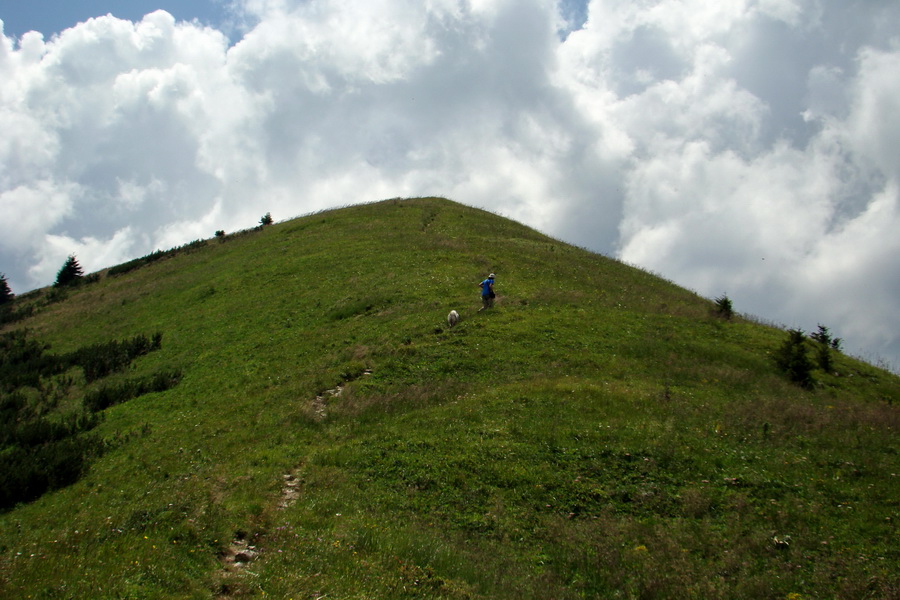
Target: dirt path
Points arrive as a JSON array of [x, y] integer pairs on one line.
[[320, 404], [235, 575]]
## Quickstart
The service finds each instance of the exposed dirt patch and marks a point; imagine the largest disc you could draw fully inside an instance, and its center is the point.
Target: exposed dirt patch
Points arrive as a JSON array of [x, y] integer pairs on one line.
[[233, 581], [320, 403], [290, 490], [239, 554]]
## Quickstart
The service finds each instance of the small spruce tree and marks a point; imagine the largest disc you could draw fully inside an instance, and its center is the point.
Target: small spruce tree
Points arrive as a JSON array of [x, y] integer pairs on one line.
[[791, 359], [70, 273], [724, 307], [823, 349], [266, 219], [6, 294], [823, 336]]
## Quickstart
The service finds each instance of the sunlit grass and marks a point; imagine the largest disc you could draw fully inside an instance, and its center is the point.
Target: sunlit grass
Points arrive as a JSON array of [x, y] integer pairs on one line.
[[600, 433]]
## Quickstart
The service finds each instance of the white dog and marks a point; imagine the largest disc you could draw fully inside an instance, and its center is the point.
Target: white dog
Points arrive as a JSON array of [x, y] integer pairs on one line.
[[453, 318]]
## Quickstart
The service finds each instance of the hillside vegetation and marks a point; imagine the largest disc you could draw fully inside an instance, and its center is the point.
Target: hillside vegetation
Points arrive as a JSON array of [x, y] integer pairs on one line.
[[600, 433]]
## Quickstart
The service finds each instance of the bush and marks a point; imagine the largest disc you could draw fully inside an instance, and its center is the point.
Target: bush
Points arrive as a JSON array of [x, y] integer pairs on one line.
[[38, 454], [100, 360], [35, 432], [266, 219], [41, 451], [791, 359], [57, 294], [27, 474], [153, 257], [10, 314], [23, 361], [126, 267], [123, 392]]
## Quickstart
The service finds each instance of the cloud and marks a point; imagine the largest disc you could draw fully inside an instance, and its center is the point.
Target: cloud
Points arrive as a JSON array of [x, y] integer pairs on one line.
[[29, 210], [741, 147], [99, 253], [721, 200]]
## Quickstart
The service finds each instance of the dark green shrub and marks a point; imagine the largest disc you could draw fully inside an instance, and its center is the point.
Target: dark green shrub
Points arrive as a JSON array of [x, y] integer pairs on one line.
[[57, 294], [792, 360], [39, 431], [12, 407], [126, 267], [26, 474], [38, 454], [42, 450], [23, 361], [125, 391], [266, 219], [99, 360], [189, 246], [10, 313], [153, 257]]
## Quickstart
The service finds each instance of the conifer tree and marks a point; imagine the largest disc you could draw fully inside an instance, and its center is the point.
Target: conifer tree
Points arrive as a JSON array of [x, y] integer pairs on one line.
[[724, 307], [6, 294], [825, 344], [792, 359], [70, 273]]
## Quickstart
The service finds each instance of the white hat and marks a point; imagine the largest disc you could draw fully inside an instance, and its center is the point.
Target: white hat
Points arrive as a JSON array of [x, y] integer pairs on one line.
[[491, 276]]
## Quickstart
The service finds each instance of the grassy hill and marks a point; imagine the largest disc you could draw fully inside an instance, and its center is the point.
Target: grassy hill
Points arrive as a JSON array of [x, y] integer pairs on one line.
[[599, 434]]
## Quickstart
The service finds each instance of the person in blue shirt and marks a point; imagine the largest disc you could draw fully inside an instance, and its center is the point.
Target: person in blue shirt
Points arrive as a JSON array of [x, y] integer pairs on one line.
[[487, 293]]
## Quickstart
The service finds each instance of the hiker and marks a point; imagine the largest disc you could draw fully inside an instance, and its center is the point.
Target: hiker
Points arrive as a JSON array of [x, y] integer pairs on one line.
[[487, 292]]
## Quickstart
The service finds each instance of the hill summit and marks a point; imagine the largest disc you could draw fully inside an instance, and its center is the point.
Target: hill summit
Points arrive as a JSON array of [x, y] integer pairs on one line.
[[285, 412]]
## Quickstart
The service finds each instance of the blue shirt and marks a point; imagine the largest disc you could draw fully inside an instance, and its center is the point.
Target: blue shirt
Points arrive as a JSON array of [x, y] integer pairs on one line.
[[486, 286]]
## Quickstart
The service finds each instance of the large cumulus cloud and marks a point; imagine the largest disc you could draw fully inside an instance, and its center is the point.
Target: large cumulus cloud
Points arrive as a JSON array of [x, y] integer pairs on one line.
[[741, 147]]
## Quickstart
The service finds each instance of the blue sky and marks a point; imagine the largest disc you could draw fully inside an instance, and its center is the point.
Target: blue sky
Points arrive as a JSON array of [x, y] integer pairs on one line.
[[745, 147], [52, 16]]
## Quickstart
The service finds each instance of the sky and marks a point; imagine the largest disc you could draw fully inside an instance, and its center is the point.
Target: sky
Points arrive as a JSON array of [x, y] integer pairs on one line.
[[741, 147]]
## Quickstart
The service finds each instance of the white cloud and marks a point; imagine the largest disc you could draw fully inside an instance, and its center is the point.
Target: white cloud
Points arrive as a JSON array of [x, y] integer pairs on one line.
[[741, 146], [789, 11], [874, 125], [92, 254], [28, 211], [329, 43]]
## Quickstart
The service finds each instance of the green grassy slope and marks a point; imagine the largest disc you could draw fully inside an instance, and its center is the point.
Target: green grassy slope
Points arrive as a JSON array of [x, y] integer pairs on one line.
[[598, 434]]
